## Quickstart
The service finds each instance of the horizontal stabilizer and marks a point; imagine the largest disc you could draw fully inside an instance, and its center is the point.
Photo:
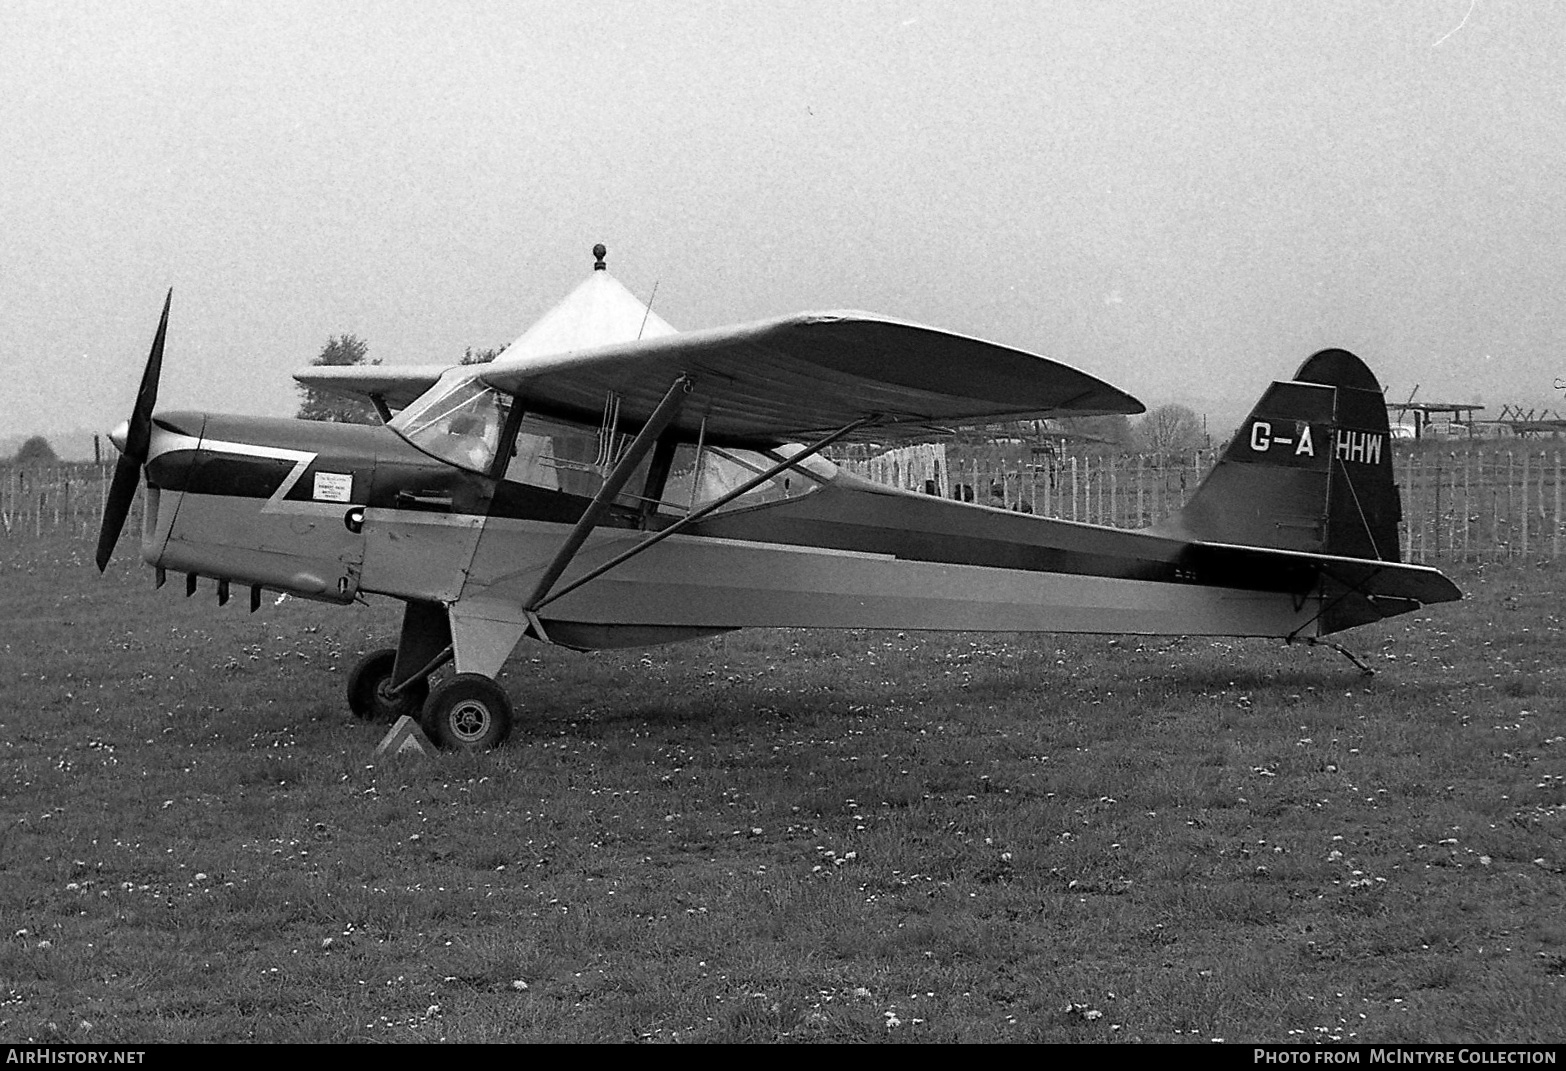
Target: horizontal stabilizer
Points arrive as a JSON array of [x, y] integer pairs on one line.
[[1354, 591], [1419, 583]]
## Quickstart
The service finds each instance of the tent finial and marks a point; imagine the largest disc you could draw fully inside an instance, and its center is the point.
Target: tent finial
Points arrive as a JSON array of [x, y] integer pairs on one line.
[[598, 254]]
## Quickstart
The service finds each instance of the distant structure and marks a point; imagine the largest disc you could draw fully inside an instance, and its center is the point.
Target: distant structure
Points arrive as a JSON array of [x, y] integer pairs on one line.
[[1531, 424], [1459, 415]]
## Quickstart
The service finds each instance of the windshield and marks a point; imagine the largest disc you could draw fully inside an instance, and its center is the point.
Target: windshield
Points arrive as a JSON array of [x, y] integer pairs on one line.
[[460, 424]]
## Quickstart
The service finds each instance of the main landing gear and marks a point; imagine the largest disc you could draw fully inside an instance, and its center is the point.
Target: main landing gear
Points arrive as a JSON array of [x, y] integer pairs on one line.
[[468, 712]]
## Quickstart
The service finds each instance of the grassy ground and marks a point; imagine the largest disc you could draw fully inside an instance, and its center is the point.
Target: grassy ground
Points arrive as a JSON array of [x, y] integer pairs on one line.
[[781, 835]]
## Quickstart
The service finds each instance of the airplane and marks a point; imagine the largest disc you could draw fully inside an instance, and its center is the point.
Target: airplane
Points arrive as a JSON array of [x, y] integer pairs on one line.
[[609, 482]]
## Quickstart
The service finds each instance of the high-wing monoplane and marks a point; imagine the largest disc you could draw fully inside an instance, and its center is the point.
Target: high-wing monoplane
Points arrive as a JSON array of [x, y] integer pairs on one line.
[[609, 482]]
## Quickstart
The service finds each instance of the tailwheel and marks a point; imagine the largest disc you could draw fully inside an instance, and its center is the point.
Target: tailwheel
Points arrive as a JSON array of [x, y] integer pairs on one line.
[[469, 712], [369, 694]]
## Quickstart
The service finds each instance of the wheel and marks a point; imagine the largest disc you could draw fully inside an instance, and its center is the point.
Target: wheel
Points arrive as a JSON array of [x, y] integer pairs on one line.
[[469, 712], [367, 686]]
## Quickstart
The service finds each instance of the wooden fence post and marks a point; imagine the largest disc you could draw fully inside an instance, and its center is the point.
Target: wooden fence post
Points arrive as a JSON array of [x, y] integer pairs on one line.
[[1539, 498], [1408, 508], [1098, 517], [1416, 491], [1141, 513], [1451, 508], [1495, 507], [1555, 545], [1523, 513], [1511, 504], [1468, 503]]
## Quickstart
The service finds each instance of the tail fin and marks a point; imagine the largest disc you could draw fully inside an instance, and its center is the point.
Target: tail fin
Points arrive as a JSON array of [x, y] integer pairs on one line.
[[1309, 470]]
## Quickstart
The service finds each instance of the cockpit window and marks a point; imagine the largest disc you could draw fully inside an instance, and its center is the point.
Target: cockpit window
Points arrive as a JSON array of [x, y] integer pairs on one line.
[[461, 425]]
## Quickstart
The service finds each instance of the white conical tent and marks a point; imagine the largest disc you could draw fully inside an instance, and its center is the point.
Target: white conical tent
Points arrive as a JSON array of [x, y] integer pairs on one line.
[[599, 312]]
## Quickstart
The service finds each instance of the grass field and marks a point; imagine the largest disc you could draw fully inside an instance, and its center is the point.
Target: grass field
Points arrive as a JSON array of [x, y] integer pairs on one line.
[[781, 835]]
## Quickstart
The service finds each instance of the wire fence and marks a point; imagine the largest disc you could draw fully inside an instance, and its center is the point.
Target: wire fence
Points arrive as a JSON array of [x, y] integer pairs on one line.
[[1478, 502]]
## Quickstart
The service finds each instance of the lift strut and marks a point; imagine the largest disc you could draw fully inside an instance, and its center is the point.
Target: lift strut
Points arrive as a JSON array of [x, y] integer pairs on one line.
[[662, 416]]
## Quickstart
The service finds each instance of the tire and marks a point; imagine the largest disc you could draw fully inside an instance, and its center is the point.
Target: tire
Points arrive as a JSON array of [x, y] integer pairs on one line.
[[469, 712], [367, 686]]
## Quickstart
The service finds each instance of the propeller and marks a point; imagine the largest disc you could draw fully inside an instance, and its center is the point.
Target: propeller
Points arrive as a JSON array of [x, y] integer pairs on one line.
[[133, 450]]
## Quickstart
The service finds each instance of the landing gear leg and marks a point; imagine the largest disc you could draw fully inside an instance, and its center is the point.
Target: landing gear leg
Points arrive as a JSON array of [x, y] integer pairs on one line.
[[470, 712], [393, 682], [369, 689]]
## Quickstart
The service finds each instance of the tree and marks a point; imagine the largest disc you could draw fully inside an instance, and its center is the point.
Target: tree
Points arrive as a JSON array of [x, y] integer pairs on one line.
[[36, 451], [1169, 428], [1112, 429], [327, 405], [473, 356]]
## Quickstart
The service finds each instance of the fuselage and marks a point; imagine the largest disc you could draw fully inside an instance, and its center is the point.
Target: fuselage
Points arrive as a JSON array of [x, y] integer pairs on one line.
[[335, 511]]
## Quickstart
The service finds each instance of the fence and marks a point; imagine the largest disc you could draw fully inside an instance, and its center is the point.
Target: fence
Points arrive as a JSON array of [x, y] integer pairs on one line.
[[1481, 504], [1475, 502], [57, 500], [1478, 502], [1124, 491]]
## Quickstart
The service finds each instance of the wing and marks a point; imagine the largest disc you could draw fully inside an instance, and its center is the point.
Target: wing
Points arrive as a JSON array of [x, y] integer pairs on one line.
[[393, 385], [797, 377]]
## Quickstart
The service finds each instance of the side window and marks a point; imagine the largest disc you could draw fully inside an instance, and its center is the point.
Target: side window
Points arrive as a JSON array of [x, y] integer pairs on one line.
[[570, 458], [533, 461], [693, 482], [557, 456]]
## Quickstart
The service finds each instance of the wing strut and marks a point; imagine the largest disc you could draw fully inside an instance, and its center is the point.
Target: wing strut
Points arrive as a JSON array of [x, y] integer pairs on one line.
[[539, 600], [660, 419]]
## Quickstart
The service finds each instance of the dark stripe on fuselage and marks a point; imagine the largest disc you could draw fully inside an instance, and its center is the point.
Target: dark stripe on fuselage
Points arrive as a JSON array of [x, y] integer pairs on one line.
[[846, 515], [207, 473]]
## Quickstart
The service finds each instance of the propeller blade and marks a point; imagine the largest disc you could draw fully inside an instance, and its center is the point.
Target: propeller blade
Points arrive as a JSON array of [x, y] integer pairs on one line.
[[140, 435], [122, 492], [138, 440]]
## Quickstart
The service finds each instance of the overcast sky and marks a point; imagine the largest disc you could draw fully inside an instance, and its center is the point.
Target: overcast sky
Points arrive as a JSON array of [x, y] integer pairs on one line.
[[1185, 198]]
